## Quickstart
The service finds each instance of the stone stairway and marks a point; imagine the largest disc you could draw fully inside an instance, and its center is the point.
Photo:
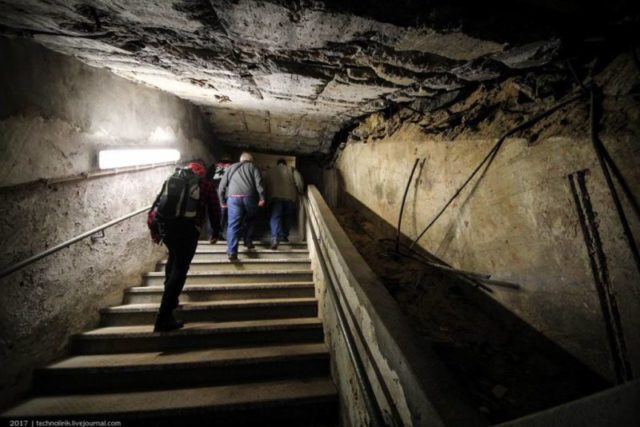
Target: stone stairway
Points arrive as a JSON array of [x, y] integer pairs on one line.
[[252, 351]]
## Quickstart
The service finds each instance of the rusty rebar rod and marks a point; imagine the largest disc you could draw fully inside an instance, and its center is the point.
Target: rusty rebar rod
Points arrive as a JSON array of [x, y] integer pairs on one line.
[[491, 155], [404, 198]]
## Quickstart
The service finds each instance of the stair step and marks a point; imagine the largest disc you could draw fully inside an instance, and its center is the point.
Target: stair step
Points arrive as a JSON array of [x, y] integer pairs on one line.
[[156, 278], [252, 350], [274, 401], [220, 311], [199, 293], [245, 265], [214, 254], [139, 338], [259, 244], [138, 371]]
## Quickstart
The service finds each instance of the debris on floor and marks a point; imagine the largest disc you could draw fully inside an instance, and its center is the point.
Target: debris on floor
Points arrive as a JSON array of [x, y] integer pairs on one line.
[[508, 372]]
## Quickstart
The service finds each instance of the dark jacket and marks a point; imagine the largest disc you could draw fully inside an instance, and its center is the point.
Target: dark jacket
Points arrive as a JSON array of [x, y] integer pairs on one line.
[[241, 179]]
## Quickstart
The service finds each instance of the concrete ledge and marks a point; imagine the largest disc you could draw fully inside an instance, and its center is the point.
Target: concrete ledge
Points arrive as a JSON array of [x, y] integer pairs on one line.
[[617, 406], [415, 385]]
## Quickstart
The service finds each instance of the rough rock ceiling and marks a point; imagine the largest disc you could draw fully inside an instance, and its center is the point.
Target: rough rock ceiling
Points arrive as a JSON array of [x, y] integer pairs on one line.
[[286, 76]]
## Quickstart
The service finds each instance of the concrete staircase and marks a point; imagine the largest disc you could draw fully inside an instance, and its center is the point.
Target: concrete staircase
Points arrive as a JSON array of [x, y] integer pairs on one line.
[[252, 351]]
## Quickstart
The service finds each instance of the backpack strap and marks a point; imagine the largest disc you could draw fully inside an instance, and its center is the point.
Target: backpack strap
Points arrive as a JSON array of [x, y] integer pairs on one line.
[[231, 173], [187, 190], [155, 202], [190, 177]]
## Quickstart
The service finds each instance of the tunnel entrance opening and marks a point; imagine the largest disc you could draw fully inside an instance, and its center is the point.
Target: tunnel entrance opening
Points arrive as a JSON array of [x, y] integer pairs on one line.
[[508, 369]]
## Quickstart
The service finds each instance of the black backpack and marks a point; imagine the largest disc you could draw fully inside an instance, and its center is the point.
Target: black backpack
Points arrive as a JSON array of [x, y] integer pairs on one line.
[[179, 197]]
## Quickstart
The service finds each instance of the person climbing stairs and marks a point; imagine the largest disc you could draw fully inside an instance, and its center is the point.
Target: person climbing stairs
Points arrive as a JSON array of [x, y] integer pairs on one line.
[[251, 352]]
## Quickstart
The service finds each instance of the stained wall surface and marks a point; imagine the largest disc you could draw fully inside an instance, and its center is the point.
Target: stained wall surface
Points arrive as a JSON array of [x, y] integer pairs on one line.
[[55, 114], [520, 223]]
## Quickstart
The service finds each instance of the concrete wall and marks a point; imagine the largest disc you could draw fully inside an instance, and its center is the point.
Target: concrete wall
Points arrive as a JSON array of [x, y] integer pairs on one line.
[[54, 116], [267, 161], [520, 223]]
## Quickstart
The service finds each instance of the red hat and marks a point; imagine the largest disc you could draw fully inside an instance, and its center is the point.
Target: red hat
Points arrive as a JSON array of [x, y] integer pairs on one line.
[[198, 169]]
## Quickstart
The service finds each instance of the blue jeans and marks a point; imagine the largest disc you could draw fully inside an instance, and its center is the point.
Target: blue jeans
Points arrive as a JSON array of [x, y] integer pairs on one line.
[[282, 212], [240, 208]]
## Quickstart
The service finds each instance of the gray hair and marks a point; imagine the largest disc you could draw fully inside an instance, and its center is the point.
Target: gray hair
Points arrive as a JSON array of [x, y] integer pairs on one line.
[[246, 157]]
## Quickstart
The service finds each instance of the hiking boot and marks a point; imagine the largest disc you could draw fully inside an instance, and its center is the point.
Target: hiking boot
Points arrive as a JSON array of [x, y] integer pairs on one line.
[[233, 257], [274, 244], [249, 245], [167, 324]]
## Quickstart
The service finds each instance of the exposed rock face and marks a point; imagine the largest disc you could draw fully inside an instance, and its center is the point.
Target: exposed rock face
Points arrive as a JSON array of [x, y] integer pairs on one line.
[[518, 219], [287, 75]]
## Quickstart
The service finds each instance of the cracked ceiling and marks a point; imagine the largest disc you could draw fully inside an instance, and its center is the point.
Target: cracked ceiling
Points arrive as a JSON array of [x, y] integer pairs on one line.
[[287, 76]]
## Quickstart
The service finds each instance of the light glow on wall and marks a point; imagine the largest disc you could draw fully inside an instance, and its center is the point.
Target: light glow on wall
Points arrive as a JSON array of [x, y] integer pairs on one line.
[[162, 136], [108, 159]]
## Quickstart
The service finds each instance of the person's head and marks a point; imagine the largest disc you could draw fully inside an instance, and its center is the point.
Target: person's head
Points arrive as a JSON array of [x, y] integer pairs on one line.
[[225, 158], [246, 157], [197, 168], [282, 162]]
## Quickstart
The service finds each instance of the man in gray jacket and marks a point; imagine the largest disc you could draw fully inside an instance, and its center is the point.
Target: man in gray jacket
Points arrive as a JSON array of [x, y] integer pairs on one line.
[[283, 186], [242, 192]]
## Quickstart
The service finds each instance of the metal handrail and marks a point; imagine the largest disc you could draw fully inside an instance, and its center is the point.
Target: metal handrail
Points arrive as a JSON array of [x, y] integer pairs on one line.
[[83, 176], [373, 408], [69, 242]]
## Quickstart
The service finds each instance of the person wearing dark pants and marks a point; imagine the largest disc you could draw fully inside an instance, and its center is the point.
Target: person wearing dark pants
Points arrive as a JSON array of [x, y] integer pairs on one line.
[[181, 241], [215, 172], [180, 234], [283, 184], [241, 191]]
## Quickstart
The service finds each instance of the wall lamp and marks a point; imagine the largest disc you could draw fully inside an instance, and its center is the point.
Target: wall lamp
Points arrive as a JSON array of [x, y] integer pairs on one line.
[[118, 158]]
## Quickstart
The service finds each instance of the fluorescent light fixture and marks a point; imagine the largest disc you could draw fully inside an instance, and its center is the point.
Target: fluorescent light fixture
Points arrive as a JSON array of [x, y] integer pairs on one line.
[[108, 159]]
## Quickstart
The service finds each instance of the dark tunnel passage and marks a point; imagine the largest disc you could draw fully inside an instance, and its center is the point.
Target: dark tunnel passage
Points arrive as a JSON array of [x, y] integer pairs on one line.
[[465, 251]]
